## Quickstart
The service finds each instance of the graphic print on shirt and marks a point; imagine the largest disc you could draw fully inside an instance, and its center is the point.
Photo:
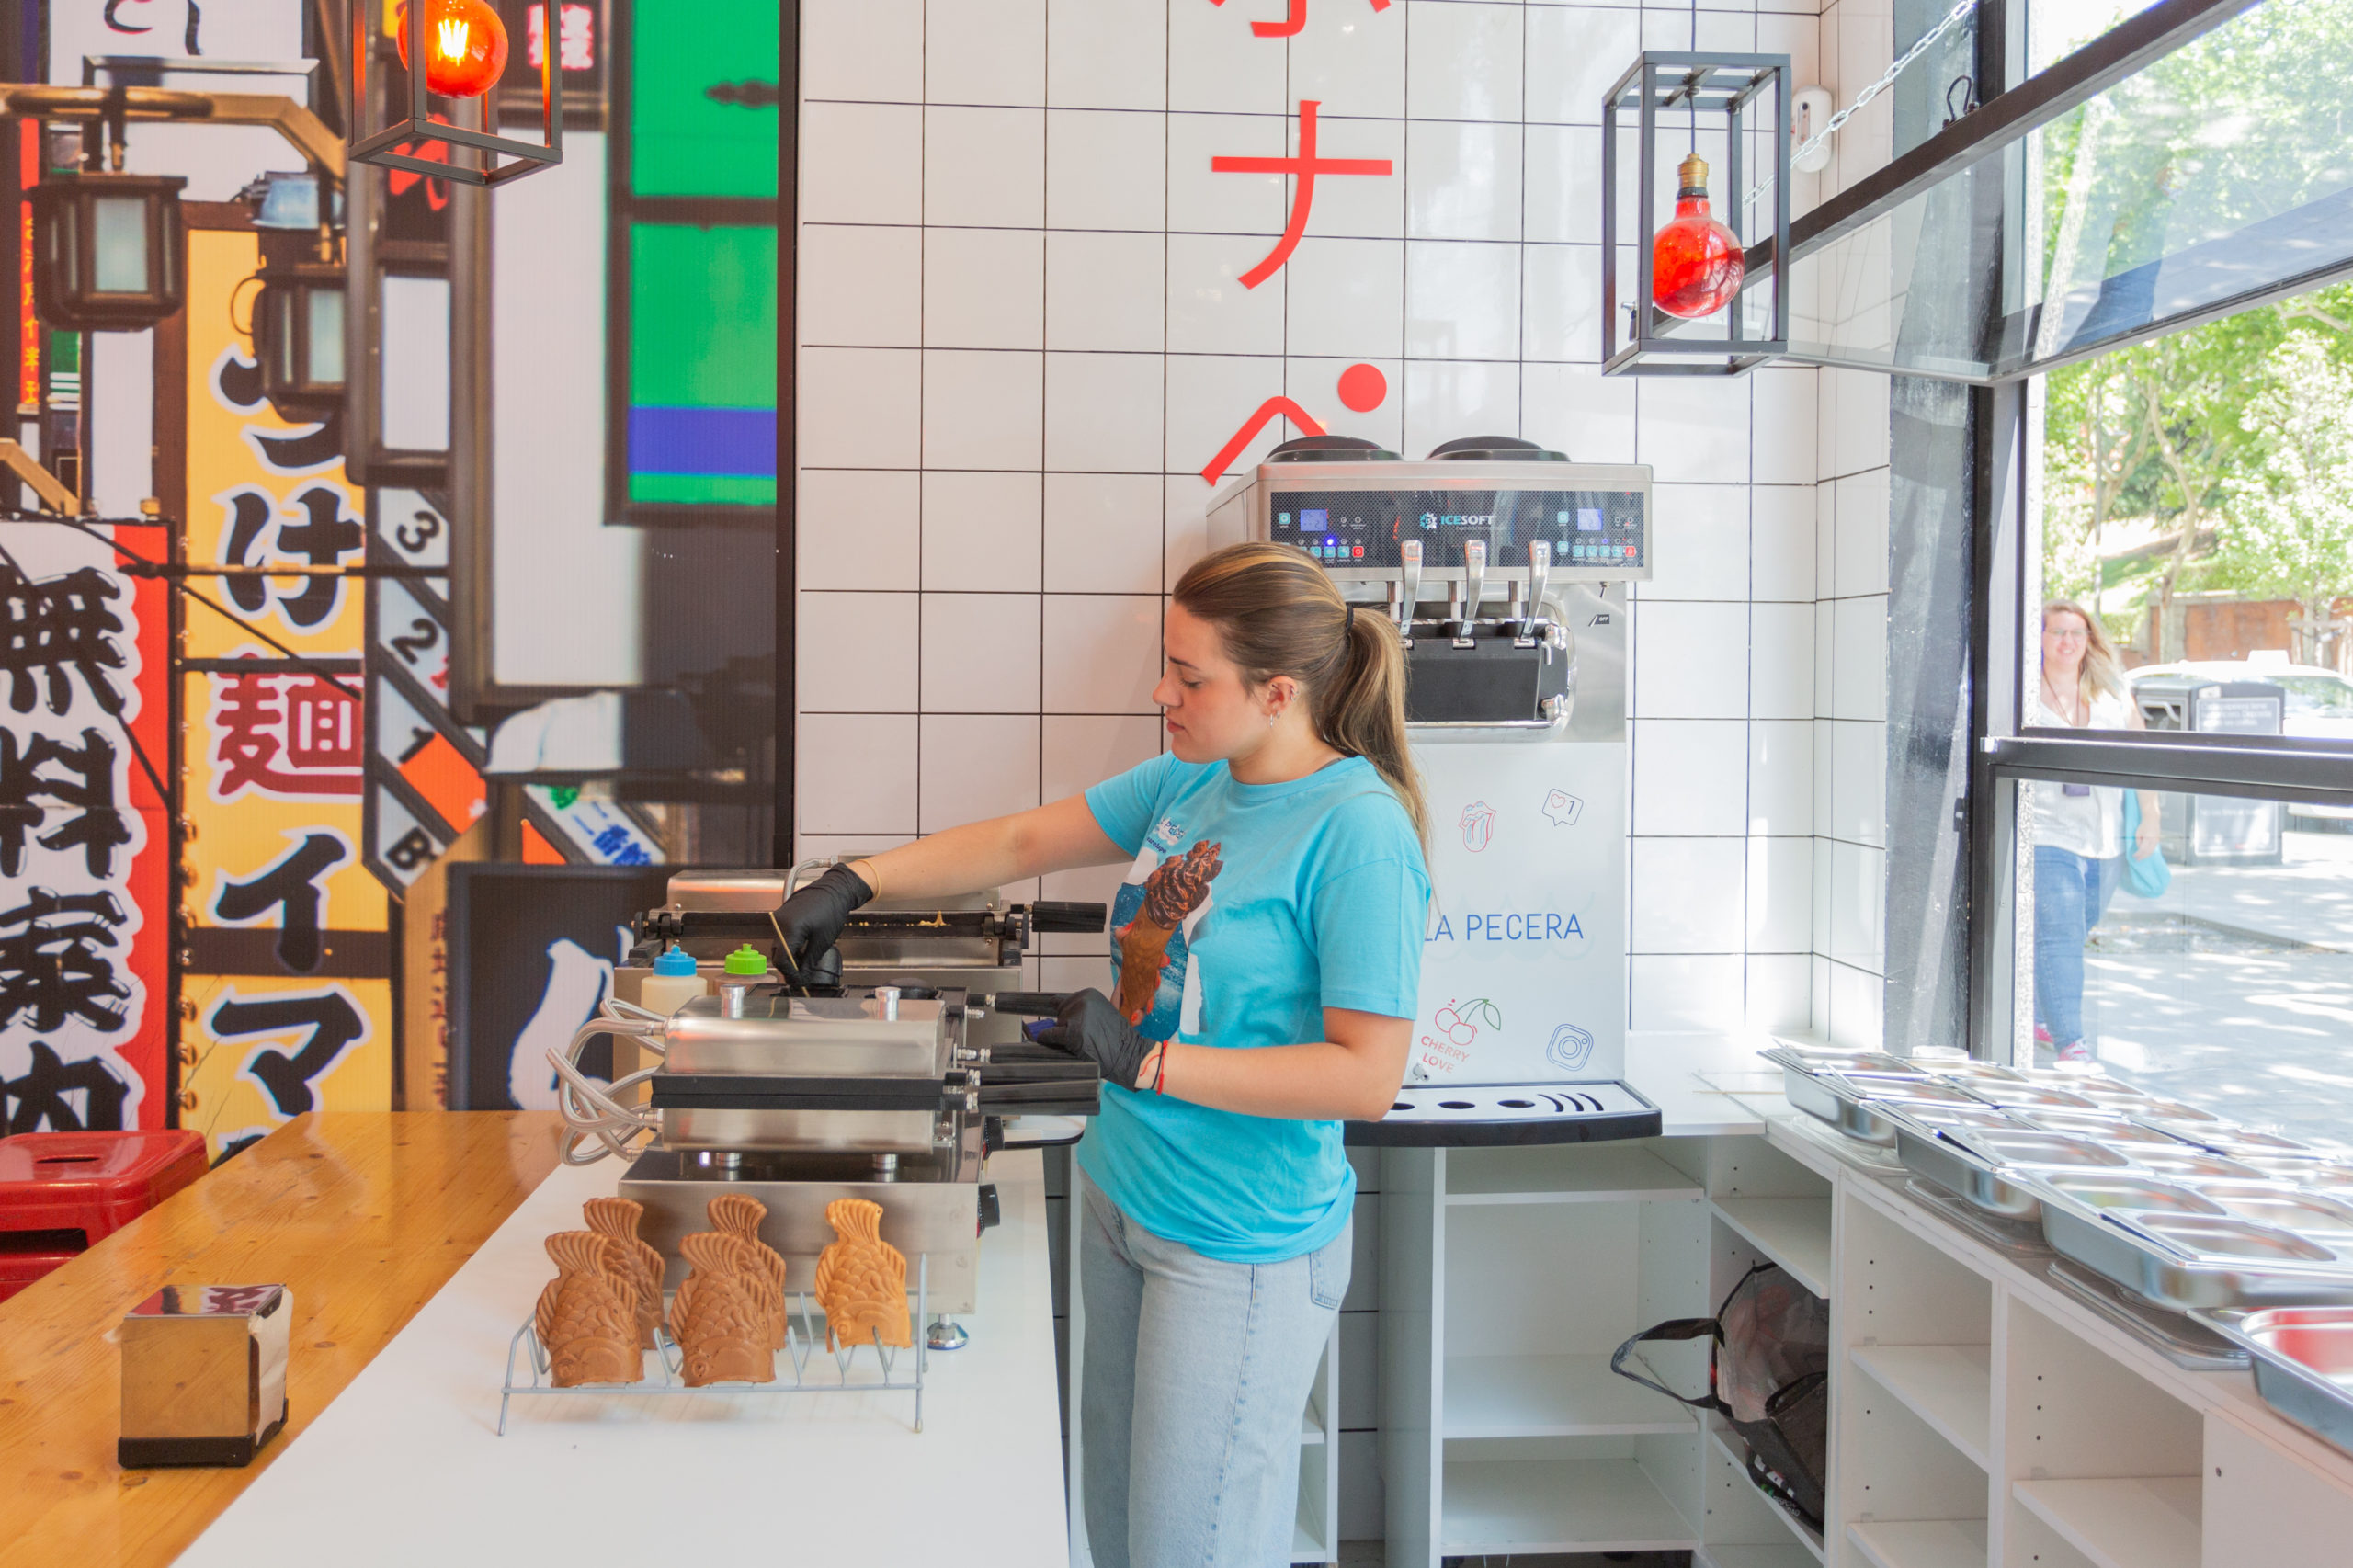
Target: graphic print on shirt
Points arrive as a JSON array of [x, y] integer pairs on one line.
[[1157, 908]]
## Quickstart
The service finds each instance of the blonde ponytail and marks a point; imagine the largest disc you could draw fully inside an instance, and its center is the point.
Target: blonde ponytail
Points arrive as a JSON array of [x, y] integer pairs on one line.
[[1279, 614]]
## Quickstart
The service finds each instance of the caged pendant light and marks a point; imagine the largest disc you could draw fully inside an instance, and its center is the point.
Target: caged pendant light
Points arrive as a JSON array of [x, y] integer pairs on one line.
[[1693, 268]]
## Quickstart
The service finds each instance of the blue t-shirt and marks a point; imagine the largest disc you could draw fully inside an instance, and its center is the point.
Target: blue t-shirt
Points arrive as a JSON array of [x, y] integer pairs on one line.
[[1249, 910]]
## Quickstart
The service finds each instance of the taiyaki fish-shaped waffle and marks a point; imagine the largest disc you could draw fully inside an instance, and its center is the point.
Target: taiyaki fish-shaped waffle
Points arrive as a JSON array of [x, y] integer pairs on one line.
[[616, 1218], [862, 1279], [723, 1314], [739, 1214], [588, 1314]]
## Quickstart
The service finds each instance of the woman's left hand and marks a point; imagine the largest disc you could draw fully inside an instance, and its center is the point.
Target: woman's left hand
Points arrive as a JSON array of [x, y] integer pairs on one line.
[[2144, 842], [1089, 1025]]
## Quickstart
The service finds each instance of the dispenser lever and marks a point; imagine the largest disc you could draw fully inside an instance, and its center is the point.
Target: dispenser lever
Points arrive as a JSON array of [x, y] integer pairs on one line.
[[1409, 557], [1474, 580], [1539, 573]]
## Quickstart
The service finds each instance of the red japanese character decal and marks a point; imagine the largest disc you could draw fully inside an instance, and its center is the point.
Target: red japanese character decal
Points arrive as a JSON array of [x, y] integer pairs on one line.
[[1250, 429], [289, 736], [1362, 388], [1303, 168], [1293, 20]]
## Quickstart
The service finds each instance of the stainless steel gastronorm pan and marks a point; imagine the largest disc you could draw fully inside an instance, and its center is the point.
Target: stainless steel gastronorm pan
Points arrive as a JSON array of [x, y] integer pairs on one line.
[[2320, 1175], [1941, 1162], [2127, 1255], [1940, 1116], [2304, 1363], [2239, 1141], [2027, 1097], [2209, 1238], [1838, 1059], [1859, 1107], [1969, 1071], [2186, 1164], [2111, 1128], [2034, 1149], [2118, 1190], [2329, 1221]]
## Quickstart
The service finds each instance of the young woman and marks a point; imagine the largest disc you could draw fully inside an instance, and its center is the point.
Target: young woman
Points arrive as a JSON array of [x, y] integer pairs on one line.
[[2078, 828], [1265, 951]]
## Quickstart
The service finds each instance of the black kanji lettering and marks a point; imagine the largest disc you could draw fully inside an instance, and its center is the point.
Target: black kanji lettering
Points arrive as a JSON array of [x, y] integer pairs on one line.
[[54, 628], [292, 884], [335, 1026], [250, 512], [82, 779], [57, 963], [43, 1099], [236, 382], [324, 539], [298, 452]]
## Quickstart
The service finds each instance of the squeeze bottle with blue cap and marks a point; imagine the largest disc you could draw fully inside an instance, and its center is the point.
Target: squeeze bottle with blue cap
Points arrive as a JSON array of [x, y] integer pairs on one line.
[[673, 982]]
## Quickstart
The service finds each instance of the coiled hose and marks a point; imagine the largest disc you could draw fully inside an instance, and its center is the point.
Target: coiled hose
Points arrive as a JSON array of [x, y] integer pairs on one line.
[[597, 1121]]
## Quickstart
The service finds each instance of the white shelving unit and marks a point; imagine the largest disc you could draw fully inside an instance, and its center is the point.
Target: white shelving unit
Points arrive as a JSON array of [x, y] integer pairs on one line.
[[1945, 1385], [1792, 1232], [1553, 1396], [1980, 1417], [1509, 1276], [1497, 1506], [1933, 1543], [2122, 1523]]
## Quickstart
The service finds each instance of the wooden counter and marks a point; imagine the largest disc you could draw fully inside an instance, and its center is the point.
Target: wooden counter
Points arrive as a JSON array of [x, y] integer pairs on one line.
[[362, 1217]]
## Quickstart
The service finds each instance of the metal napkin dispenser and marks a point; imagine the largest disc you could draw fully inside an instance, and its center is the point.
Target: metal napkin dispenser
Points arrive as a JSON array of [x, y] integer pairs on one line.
[[203, 1374]]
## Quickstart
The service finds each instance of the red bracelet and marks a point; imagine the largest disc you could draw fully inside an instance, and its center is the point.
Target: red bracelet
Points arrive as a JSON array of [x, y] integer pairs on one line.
[[1160, 1068]]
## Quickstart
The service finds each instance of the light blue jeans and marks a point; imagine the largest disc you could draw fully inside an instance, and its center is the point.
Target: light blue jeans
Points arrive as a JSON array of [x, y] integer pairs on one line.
[[1195, 1374], [2071, 893]]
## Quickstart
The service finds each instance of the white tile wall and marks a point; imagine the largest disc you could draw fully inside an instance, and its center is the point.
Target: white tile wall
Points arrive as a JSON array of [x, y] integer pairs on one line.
[[1846, 299]]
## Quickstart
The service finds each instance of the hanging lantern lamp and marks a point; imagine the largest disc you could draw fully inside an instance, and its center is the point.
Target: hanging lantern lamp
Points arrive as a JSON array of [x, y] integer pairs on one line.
[[1695, 267], [1696, 262], [107, 249], [298, 338], [465, 47]]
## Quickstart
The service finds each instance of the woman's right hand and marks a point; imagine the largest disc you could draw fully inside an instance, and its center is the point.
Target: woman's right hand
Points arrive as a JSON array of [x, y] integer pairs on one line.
[[812, 919]]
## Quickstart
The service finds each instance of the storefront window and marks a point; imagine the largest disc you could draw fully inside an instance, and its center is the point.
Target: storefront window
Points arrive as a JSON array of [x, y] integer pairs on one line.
[[2169, 887], [2225, 979]]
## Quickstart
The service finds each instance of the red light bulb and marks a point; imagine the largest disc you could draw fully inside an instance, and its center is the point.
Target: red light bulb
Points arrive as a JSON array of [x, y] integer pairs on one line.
[[1695, 264], [465, 46]]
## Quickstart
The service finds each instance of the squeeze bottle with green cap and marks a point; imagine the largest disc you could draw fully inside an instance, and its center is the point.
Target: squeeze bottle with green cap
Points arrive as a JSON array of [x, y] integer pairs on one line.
[[673, 982], [745, 968]]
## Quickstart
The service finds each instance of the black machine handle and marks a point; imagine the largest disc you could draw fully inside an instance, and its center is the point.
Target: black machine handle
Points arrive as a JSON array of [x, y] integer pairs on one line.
[[1027, 1003], [1048, 915]]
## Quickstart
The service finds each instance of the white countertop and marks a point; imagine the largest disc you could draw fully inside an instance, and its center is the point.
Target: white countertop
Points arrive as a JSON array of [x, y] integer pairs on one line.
[[1692, 1078], [406, 1464]]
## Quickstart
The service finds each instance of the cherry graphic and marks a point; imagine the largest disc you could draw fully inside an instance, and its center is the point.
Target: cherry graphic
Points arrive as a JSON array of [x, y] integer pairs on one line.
[[1362, 387]]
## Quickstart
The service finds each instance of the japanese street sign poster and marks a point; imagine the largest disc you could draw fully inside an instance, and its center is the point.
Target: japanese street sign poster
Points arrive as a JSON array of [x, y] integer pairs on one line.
[[287, 995]]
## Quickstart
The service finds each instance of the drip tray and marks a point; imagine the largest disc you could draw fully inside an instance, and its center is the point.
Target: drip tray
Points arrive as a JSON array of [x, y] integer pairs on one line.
[[1433, 1116]]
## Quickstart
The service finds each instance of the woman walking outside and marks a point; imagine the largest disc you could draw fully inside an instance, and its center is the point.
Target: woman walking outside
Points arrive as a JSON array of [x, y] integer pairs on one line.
[[2078, 829]]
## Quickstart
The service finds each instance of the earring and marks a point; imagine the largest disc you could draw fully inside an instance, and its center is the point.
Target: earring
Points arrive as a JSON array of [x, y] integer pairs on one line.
[[1273, 718]]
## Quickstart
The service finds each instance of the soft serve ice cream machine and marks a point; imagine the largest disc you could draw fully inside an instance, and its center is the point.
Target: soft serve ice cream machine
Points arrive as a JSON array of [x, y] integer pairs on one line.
[[1504, 567]]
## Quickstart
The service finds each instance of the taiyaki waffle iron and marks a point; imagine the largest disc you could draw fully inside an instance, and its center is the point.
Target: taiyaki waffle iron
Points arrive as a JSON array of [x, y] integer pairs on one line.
[[868, 1092]]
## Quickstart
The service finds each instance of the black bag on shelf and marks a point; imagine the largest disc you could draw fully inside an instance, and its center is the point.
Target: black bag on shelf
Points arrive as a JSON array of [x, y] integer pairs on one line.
[[1768, 1376]]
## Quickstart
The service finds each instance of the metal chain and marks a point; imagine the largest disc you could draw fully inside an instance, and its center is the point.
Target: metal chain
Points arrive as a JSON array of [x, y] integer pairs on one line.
[[1837, 121]]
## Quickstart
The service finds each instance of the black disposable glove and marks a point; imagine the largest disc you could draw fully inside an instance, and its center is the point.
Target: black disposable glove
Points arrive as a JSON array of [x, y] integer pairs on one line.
[[810, 921], [1089, 1025]]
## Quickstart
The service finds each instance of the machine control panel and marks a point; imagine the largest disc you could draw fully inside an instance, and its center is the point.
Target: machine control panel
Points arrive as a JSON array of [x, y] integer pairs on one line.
[[1595, 532]]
